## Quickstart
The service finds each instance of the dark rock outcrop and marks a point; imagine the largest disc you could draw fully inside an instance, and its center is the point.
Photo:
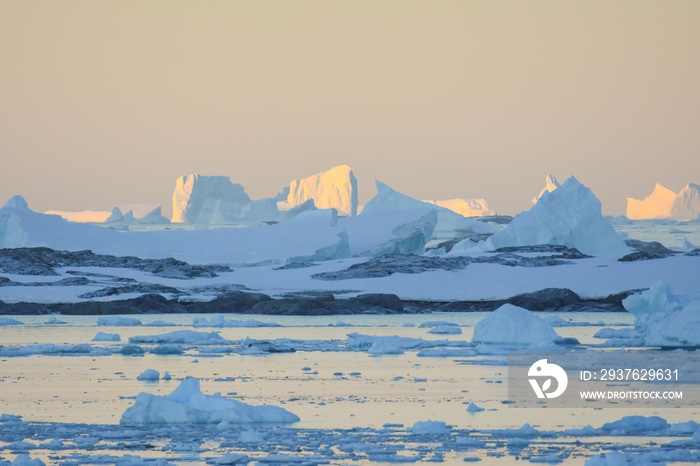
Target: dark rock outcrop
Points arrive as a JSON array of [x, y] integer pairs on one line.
[[646, 251], [43, 261]]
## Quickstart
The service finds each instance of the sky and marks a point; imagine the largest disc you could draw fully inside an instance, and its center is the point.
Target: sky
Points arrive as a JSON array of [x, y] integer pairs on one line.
[[106, 103]]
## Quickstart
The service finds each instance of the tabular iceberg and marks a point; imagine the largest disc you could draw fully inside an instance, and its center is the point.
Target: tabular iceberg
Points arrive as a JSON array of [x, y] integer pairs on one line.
[[332, 189], [188, 405], [207, 199]]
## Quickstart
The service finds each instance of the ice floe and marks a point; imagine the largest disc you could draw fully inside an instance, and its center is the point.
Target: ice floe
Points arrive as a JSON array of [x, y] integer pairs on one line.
[[188, 405]]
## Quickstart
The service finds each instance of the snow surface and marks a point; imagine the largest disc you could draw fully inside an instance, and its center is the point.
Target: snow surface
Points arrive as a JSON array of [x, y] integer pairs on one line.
[[188, 405], [512, 325], [332, 189], [568, 216], [665, 203]]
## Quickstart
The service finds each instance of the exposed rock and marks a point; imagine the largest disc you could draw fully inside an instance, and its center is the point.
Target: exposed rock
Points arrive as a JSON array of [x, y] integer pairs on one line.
[[380, 300], [646, 251], [230, 302], [384, 266], [43, 261], [146, 304], [547, 299], [145, 288]]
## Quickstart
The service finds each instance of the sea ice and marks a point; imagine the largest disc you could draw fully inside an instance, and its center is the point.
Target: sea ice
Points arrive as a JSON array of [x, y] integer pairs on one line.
[[101, 336], [117, 321], [474, 408], [184, 337], [512, 325], [188, 405], [446, 330], [220, 322], [6, 321]]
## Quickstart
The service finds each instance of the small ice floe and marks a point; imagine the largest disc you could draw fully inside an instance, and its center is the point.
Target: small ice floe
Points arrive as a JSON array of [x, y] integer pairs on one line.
[[182, 337], [117, 321], [220, 322], [26, 460], [446, 330], [514, 326], [53, 320], [102, 336], [430, 428], [149, 375], [188, 405], [6, 321], [252, 347], [474, 408], [437, 323]]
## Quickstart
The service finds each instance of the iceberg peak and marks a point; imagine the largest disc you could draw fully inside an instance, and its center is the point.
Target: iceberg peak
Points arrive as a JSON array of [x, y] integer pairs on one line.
[[665, 203], [550, 184], [568, 216], [332, 189], [17, 202]]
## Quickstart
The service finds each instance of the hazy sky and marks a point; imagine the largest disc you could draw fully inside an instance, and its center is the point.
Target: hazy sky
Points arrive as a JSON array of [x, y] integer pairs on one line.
[[105, 102]]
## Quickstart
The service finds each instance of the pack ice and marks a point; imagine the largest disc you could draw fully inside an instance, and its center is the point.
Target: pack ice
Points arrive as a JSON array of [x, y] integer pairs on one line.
[[188, 405]]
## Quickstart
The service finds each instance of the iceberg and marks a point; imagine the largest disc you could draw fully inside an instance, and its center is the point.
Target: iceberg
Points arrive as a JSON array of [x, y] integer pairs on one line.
[[568, 216], [663, 319], [449, 224], [550, 184], [332, 189], [188, 405], [102, 336], [154, 217], [514, 326], [207, 199], [466, 207], [665, 203], [149, 375]]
